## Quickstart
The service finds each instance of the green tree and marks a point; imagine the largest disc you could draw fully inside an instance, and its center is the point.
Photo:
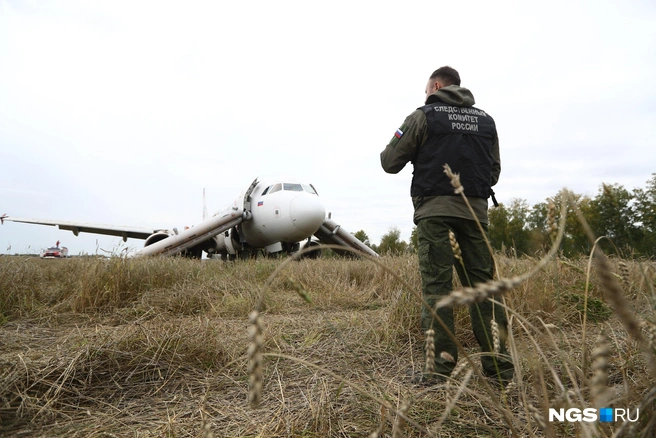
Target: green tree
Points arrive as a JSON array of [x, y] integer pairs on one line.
[[391, 243], [498, 219], [627, 218], [414, 240], [613, 216], [508, 227], [537, 225], [645, 216], [575, 241], [362, 237]]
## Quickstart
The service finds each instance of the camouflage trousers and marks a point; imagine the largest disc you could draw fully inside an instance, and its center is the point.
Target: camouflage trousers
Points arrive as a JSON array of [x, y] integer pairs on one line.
[[436, 262]]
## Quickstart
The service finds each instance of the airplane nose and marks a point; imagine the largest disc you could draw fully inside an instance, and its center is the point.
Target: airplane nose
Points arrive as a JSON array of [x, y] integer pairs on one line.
[[307, 213]]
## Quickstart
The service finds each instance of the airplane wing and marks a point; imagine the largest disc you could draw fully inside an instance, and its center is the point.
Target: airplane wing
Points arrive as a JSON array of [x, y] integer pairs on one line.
[[83, 227], [196, 235], [176, 241], [167, 242], [332, 233]]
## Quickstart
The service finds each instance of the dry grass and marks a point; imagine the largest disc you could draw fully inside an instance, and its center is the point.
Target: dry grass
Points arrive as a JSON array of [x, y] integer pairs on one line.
[[160, 347]]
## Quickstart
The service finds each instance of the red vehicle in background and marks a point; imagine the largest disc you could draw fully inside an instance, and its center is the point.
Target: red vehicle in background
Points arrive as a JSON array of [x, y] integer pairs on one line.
[[55, 252]]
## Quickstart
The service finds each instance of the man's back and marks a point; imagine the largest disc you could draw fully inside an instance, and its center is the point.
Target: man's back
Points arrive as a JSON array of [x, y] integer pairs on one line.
[[455, 123]]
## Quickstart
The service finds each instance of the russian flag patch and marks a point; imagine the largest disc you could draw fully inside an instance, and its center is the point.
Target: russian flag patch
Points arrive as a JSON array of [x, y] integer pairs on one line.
[[398, 133], [260, 203]]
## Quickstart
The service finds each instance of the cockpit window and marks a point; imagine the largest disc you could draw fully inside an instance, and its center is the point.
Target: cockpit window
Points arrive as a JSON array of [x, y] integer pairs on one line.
[[290, 187], [309, 189], [293, 187]]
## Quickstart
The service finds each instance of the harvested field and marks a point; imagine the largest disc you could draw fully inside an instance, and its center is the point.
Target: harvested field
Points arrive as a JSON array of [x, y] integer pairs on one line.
[[160, 347]]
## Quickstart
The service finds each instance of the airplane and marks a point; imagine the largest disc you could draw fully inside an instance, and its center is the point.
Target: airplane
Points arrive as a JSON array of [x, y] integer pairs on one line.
[[279, 215]]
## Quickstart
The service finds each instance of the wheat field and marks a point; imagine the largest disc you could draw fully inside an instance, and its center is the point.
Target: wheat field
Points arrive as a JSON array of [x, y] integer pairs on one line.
[[171, 347]]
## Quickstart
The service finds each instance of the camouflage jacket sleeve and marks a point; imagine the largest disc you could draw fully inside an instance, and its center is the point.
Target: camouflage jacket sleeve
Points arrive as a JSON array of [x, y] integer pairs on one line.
[[403, 145]]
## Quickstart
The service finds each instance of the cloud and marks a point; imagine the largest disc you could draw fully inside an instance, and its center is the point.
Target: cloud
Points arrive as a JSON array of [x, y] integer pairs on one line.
[[122, 112]]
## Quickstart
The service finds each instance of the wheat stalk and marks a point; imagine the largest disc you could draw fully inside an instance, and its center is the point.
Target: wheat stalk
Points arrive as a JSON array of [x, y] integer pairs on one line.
[[552, 226], [455, 180], [255, 335], [399, 424], [430, 352], [624, 272], [650, 328], [538, 417], [599, 381], [457, 253], [482, 291], [445, 355], [616, 297], [496, 338]]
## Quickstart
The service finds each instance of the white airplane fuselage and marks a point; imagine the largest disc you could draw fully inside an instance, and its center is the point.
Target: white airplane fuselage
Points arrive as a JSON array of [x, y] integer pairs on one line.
[[282, 211], [287, 215]]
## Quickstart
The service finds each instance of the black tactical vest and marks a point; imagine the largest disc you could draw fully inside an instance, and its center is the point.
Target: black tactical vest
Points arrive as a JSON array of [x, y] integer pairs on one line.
[[461, 137]]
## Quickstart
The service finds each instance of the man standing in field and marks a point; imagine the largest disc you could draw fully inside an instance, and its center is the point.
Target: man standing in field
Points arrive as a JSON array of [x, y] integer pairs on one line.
[[449, 130]]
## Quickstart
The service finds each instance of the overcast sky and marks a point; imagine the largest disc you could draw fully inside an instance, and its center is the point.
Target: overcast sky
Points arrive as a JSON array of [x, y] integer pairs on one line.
[[121, 112]]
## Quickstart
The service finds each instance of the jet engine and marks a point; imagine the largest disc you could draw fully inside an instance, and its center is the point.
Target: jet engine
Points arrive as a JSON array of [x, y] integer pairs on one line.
[[156, 237], [225, 243], [193, 252]]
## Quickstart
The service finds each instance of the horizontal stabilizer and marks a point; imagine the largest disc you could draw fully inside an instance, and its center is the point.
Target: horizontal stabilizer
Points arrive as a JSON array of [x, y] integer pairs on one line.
[[330, 233]]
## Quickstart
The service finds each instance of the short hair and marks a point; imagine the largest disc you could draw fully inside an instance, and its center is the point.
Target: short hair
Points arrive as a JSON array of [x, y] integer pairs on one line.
[[447, 75]]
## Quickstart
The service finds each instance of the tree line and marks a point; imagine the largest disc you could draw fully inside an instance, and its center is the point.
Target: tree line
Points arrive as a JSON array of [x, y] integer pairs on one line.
[[626, 218]]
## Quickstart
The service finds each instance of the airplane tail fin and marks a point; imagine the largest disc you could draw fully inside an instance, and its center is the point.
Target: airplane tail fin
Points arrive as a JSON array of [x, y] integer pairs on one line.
[[204, 206]]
